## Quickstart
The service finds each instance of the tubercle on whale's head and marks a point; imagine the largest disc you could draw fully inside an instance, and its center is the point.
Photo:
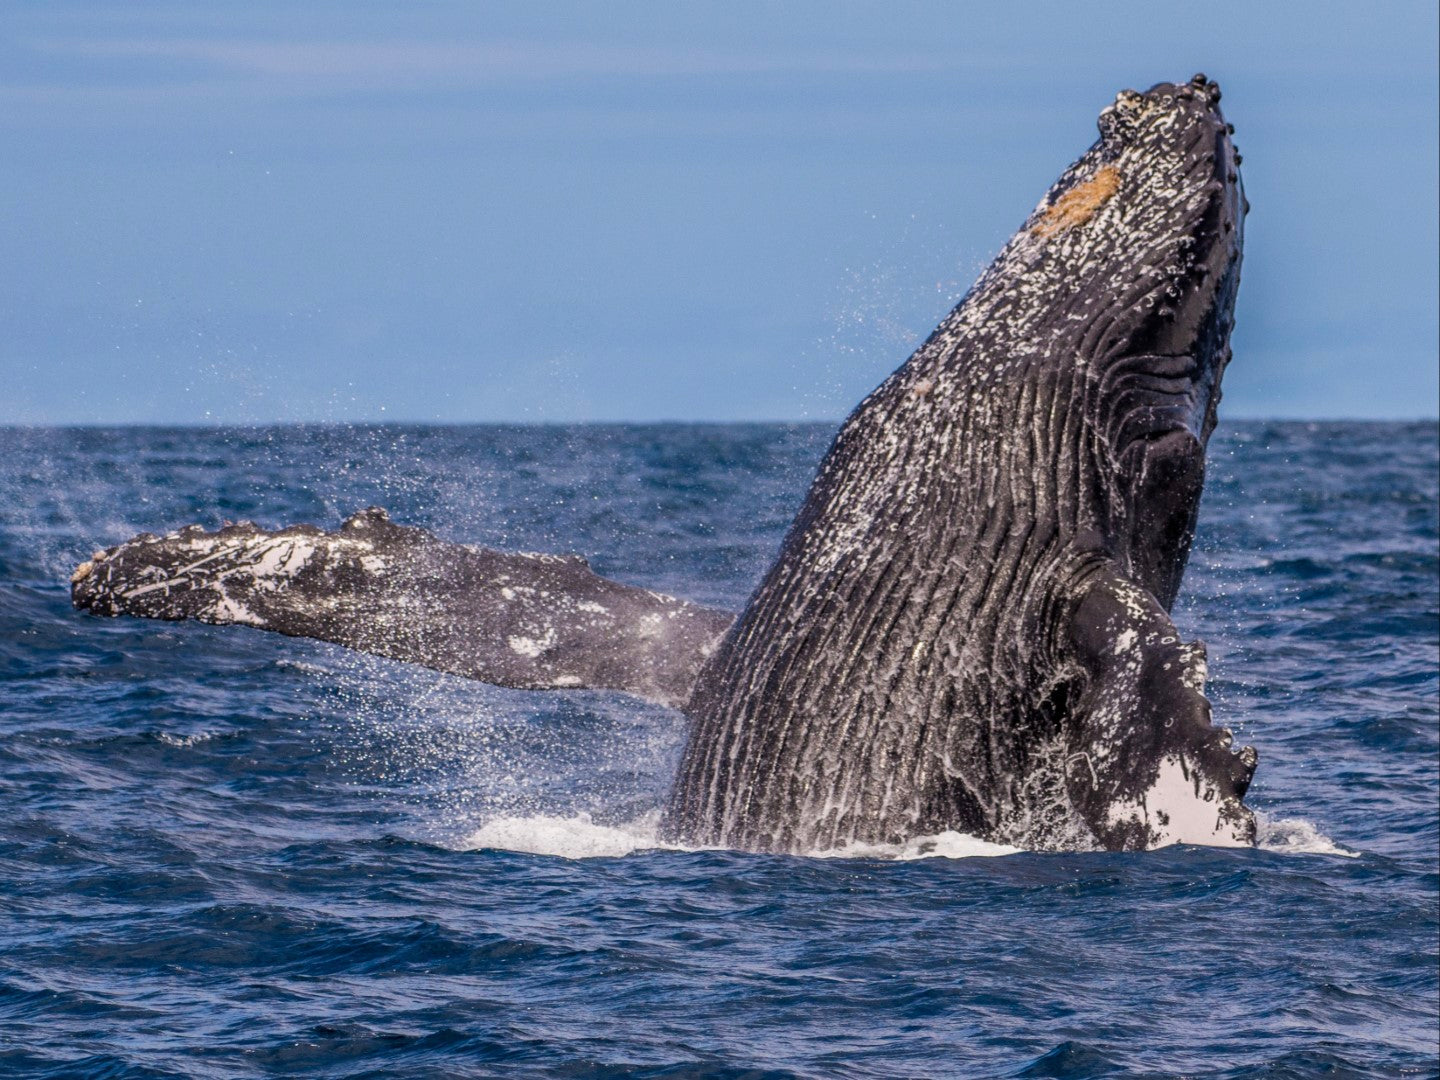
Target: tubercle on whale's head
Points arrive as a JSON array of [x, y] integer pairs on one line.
[[1185, 208]]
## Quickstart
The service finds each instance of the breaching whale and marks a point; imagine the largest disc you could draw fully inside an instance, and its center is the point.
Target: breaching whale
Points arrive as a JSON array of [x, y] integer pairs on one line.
[[967, 624]]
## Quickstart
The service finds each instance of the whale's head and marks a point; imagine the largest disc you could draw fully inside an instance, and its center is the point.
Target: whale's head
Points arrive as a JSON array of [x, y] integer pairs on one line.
[[1134, 256]]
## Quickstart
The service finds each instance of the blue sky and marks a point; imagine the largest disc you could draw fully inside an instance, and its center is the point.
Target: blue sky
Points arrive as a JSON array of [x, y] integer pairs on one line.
[[552, 212]]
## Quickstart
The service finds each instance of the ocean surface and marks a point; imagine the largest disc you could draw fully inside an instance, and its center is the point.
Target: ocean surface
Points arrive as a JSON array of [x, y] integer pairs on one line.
[[225, 853]]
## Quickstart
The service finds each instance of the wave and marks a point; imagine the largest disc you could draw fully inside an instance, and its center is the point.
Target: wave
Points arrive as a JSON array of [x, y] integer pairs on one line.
[[185, 741], [575, 837]]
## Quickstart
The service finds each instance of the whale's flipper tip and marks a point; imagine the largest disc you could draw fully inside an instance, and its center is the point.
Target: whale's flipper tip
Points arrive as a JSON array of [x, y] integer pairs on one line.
[[1156, 772]]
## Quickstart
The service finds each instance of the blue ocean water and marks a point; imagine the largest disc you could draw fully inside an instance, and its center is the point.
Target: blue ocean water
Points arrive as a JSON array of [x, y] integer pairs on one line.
[[231, 854]]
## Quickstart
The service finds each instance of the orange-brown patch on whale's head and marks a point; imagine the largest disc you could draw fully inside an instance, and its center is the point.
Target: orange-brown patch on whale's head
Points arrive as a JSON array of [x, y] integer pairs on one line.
[[1079, 204]]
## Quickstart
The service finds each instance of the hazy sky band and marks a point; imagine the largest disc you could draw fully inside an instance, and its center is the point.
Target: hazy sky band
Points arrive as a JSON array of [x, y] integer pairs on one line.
[[455, 212]]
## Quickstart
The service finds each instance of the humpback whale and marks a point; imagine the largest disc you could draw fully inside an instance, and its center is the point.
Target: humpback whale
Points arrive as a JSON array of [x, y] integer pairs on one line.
[[967, 625]]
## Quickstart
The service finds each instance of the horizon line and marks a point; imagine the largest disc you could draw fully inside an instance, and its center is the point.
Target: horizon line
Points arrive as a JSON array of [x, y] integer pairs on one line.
[[82, 425]]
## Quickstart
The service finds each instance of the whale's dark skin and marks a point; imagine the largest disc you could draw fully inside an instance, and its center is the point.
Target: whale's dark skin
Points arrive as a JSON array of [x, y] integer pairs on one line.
[[967, 626], [530, 621]]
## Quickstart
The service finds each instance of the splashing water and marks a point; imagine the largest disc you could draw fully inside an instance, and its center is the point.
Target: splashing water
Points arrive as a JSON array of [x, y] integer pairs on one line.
[[1296, 836]]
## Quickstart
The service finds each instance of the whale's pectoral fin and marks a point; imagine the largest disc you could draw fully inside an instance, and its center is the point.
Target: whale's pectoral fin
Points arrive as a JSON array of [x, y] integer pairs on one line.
[[527, 621], [1146, 767]]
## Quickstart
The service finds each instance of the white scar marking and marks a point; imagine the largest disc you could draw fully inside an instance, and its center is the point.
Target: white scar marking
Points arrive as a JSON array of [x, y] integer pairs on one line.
[[227, 610], [532, 647], [267, 560]]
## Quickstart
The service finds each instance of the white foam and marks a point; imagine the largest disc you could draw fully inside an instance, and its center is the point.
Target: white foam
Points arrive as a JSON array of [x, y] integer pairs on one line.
[[575, 837], [579, 837], [303, 666], [1296, 836], [184, 741]]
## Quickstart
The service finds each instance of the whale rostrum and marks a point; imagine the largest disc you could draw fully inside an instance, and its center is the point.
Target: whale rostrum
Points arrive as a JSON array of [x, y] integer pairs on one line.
[[967, 624]]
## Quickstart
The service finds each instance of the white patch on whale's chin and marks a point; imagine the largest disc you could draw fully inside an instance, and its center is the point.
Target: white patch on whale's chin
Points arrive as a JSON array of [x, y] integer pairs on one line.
[[1181, 808]]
